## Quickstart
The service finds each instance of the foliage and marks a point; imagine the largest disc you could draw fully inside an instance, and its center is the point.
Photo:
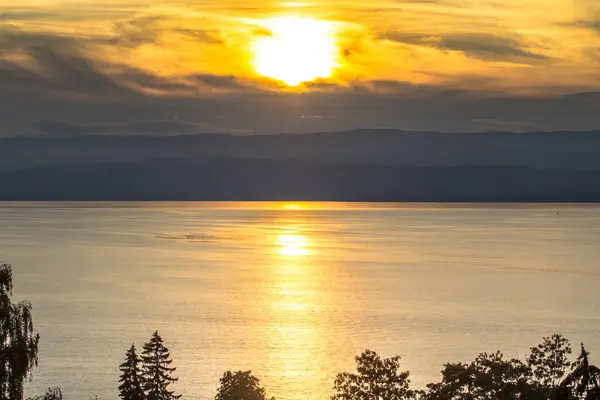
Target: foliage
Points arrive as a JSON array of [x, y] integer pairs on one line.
[[157, 370], [488, 377], [582, 383], [548, 363], [51, 394], [18, 340], [549, 360], [131, 382], [377, 379], [241, 385]]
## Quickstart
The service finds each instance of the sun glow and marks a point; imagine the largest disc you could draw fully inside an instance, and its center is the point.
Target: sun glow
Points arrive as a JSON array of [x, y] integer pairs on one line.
[[297, 50], [293, 245]]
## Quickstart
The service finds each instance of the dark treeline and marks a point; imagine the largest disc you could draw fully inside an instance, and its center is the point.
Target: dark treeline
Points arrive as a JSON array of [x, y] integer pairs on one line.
[[548, 373]]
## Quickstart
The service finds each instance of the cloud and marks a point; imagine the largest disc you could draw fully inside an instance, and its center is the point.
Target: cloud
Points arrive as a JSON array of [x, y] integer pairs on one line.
[[58, 72], [23, 14], [592, 24], [15, 40], [137, 31], [69, 85], [50, 63], [227, 82], [210, 36], [135, 128], [483, 46], [316, 116], [494, 125]]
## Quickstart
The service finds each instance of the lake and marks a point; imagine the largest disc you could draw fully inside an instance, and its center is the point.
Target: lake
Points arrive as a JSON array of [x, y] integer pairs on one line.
[[294, 291]]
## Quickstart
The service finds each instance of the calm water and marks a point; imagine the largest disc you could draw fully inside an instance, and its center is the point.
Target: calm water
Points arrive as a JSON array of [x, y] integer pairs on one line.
[[295, 293]]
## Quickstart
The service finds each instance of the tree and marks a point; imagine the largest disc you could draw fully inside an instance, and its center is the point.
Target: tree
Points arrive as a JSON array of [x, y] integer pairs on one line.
[[548, 363], [131, 384], [488, 377], [18, 340], [582, 383], [377, 379], [51, 394], [241, 385], [157, 370]]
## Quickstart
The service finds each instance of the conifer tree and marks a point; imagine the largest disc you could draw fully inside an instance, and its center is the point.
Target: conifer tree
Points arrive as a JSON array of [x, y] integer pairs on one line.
[[157, 370], [131, 379]]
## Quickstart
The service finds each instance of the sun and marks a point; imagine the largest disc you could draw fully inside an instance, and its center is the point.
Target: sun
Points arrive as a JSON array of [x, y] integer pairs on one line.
[[297, 50]]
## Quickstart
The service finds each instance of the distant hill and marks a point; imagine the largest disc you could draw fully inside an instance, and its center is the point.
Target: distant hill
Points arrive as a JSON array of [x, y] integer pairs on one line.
[[362, 165], [243, 179], [558, 150]]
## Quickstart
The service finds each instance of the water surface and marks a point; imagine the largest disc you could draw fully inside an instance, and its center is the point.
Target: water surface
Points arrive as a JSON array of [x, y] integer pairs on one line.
[[293, 292]]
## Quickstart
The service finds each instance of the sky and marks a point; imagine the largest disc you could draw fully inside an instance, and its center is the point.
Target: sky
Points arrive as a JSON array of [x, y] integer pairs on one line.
[[165, 67]]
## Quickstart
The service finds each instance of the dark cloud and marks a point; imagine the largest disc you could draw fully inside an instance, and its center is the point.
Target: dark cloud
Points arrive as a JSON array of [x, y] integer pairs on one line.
[[483, 46], [52, 70], [14, 40], [24, 15], [142, 81], [209, 36], [226, 82], [593, 24], [59, 65], [147, 128], [62, 13], [281, 112]]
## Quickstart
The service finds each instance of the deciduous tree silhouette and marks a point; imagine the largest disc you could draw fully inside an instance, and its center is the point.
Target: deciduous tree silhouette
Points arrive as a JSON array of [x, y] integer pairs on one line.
[[240, 385], [157, 370], [488, 377], [377, 379], [131, 379], [18, 340], [51, 394], [548, 363]]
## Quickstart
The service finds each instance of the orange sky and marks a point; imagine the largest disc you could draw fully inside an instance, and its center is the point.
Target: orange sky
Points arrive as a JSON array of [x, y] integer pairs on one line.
[[276, 66], [515, 46]]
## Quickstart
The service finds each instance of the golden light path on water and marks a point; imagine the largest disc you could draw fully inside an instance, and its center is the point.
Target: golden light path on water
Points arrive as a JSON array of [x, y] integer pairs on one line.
[[298, 347]]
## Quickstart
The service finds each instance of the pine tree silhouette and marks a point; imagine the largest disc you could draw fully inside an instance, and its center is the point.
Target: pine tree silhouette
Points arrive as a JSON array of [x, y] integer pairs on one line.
[[157, 370], [131, 379]]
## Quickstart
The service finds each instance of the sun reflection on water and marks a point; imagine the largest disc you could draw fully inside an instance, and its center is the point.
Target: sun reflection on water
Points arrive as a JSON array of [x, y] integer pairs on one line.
[[293, 245], [298, 347]]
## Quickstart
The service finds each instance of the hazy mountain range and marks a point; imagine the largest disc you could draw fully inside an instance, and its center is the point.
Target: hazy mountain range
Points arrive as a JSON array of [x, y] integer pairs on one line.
[[362, 165]]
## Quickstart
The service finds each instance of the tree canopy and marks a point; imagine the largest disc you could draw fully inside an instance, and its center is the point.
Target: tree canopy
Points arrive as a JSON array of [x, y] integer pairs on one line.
[[240, 385], [19, 340], [582, 383], [376, 379]]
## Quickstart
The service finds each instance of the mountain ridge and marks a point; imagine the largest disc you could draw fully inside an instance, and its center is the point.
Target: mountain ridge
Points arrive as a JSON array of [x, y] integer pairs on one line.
[[558, 149]]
